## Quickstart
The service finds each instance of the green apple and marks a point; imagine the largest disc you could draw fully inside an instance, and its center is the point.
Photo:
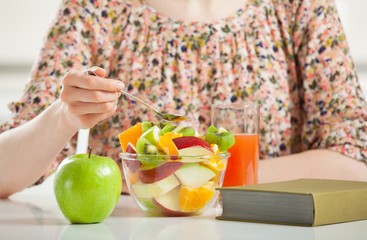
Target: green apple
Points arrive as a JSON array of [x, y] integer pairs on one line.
[[87, 188]]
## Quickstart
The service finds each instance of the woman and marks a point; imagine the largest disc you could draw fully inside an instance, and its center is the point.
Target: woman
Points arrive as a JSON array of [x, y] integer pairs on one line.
[[290, 56]]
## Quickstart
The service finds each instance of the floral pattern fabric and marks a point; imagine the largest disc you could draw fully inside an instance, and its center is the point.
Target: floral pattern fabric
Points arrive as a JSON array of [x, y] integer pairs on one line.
[[290, 56]]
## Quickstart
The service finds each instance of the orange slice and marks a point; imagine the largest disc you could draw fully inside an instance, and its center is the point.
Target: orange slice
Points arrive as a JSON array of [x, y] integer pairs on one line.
[[215, 163], [167, 144], [132, 177], [215, 148], [130, 135], [193, 199]]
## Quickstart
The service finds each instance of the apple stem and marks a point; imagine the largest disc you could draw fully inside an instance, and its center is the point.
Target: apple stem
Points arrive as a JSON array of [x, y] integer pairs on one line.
[[89, 151]]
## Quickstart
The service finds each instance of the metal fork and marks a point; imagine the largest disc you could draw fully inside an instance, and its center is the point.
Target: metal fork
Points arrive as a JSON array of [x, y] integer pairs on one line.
[[166, 116]]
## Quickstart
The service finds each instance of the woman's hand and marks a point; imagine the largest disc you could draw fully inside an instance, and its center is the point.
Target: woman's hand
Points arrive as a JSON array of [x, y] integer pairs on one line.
[[87, 99]]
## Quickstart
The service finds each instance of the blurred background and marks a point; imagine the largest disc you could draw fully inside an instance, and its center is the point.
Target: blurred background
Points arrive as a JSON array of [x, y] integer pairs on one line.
[[23, 24]]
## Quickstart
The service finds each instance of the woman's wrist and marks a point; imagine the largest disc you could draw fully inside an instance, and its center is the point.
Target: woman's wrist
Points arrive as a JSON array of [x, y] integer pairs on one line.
[[63, 121]]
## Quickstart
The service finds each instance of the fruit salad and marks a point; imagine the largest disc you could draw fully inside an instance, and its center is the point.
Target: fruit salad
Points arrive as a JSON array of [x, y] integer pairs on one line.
[[174, 170]]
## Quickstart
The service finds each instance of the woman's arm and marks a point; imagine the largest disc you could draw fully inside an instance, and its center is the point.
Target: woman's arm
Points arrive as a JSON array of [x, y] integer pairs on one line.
[[335, 110], [319, 163], [36, 137], [28, 150]]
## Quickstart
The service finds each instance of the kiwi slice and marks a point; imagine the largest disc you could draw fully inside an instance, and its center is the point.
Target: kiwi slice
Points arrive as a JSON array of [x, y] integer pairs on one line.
[[167, 128], [152, 135], [147, 125], [221, 137], [161, 124], [187, 131], [143, 146], [177, 129], [150, 153]]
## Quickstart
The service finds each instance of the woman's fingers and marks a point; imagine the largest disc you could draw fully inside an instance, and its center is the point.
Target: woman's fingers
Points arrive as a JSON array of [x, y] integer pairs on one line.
[[82, 80], [74, 94], [89, 120], [82, 108], [89, 99], [97, 70]]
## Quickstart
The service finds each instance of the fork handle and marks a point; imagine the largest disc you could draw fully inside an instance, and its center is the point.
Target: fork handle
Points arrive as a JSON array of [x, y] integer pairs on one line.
[[139, 100], [90, 72]]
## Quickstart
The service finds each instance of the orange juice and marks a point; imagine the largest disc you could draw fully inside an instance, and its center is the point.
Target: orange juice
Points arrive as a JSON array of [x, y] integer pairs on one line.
[[243, 163]]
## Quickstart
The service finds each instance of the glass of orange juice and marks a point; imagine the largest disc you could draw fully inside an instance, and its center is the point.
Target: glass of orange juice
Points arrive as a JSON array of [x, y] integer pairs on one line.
[[242, 120]]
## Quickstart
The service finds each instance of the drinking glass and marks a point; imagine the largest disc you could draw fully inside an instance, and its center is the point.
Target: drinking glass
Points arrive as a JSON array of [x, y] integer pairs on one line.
[[242, 120]]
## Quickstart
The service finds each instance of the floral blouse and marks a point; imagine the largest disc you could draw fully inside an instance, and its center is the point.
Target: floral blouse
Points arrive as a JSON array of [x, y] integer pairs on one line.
[[290, 56]]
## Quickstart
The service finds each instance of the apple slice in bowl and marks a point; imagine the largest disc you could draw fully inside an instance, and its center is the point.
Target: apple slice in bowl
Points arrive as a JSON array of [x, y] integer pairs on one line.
[[132, 164], [190, 146], [169, 203], [151, 174]]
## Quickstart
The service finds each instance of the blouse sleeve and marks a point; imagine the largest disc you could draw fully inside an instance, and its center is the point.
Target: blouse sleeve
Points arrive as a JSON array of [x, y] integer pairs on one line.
[[70, 43], [335, 108]]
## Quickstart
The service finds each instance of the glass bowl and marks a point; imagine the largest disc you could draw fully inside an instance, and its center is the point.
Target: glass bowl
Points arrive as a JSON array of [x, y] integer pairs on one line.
[[174, 185]]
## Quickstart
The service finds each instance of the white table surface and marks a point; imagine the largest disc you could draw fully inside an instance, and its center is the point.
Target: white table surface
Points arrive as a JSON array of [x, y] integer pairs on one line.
[[34, 214]]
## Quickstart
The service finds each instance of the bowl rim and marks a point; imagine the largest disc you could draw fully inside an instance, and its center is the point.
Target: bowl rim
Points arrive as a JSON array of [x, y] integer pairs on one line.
[[223, 155]]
